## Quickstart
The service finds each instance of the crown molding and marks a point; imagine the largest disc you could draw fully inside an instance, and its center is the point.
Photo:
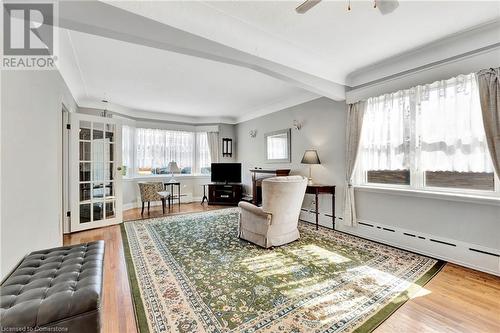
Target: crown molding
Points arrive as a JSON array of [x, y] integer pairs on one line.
[[464, 43]]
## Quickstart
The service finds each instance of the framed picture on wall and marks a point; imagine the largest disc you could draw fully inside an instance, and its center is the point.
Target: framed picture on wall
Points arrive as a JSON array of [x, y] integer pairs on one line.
[[278, 146]]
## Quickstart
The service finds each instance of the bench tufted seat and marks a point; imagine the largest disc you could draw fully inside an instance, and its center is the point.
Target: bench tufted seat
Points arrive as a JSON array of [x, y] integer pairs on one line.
[[55, 290]]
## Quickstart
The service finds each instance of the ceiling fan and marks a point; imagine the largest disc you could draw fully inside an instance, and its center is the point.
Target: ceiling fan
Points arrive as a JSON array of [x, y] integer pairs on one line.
[[384, 6]]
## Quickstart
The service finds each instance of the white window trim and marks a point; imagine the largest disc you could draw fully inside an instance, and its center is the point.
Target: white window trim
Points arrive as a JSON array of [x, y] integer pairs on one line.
[[417, 176], [479, 197], [417, 185], [133, 171], [166, 177]]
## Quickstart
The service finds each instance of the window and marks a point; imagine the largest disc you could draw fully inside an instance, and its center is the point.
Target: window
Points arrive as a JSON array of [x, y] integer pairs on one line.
[[427, 137], [149, 151], [386, 144]]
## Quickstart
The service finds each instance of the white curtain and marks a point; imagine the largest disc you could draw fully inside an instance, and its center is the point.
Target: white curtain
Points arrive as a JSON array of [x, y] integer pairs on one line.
[[489, 91], [213, 146], [156, 148], [128, 147], [203, 152], [437, 127], [386, 136], [451, 126], [355, 119]]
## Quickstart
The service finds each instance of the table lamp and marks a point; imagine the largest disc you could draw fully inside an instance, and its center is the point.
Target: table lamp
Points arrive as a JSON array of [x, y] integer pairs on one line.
[[310, 157], [173, 168]]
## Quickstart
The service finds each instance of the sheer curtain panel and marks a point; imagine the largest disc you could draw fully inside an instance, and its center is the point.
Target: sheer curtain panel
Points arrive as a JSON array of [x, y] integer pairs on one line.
[[156, 148]]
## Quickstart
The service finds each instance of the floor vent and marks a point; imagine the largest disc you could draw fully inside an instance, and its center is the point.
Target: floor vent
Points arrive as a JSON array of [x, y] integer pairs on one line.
[[366, 224], [407, 234], [441, 242], [387, 229], [484, 252], [421, 237]]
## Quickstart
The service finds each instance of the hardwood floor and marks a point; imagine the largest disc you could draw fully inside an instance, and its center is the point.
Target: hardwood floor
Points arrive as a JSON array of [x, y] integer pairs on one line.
[[118, 311], [456, 300]]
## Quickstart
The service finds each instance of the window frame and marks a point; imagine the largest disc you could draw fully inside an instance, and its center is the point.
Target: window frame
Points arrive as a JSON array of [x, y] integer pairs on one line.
[[360, 180], [133, 172], [417, 174]]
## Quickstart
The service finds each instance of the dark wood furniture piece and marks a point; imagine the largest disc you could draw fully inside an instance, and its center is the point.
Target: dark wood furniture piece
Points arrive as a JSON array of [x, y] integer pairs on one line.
[[257, 181], [224, 194], [169, 186], [318, 189], [204, 193]]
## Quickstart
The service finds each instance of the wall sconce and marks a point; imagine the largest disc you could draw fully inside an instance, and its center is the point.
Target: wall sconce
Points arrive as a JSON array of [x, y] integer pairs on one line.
[[297, 125], [227, 147], [253, 133]]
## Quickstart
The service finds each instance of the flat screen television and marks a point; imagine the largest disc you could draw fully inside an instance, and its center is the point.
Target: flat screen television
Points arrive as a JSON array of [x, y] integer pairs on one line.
[[226, 172]]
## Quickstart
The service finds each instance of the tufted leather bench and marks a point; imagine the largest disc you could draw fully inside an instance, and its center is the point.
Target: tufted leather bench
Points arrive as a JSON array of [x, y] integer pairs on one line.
[[54, 290]]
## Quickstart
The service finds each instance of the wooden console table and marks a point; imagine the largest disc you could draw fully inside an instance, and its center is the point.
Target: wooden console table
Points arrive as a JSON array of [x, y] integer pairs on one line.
[[256, 194], [317, 189]]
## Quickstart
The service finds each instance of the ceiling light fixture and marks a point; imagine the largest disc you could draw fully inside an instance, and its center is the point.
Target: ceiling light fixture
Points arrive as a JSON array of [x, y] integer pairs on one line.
[[384, 6]]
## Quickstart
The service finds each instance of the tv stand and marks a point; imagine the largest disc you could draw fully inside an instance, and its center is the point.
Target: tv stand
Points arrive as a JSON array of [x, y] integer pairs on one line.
[[224, 194]]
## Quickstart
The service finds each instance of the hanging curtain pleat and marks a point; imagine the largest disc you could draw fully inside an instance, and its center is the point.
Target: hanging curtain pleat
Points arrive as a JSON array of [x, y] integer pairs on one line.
[[489, 92]]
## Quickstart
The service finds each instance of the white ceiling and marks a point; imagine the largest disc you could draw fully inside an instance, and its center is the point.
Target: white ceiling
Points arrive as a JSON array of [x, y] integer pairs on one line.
[[154, 80], [355, 39], [327, 42]]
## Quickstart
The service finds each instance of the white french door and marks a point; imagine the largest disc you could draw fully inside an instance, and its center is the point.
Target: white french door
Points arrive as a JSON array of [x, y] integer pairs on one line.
[[94, 172]]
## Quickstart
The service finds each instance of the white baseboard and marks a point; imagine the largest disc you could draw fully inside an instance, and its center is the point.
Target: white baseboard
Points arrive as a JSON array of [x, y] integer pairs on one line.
[[187, 199], [462, 253]]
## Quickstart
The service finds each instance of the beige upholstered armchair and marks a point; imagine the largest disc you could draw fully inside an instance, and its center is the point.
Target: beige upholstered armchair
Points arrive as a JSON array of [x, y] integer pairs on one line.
[[153, 191], [276, 222]]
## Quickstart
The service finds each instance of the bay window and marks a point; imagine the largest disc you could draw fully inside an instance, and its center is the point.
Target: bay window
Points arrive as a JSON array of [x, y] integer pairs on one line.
[[427, 137], [149, 151]]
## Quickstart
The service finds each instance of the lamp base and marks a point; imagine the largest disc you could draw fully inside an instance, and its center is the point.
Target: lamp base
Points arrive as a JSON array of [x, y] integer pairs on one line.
[[310, 181], [172, 179]]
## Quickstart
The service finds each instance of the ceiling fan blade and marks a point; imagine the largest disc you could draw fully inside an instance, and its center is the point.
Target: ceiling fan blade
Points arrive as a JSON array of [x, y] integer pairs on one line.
[[306, 5], [387, 6]]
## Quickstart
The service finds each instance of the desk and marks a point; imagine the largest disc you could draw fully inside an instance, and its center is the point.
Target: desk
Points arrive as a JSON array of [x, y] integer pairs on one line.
[[317, 189], [256, 190]]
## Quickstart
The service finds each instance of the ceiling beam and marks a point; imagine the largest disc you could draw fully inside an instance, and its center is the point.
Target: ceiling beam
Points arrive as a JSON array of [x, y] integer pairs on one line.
[[98, 18]]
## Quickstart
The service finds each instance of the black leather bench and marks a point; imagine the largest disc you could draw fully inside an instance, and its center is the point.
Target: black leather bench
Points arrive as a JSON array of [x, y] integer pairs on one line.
[[55, 290]]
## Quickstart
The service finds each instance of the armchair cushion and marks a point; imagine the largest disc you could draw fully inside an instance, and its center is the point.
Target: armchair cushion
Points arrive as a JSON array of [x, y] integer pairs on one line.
[[252, 209], [149, 191]]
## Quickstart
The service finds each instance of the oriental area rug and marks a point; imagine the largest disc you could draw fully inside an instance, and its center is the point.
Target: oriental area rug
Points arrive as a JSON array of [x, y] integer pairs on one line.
[[191, 273]]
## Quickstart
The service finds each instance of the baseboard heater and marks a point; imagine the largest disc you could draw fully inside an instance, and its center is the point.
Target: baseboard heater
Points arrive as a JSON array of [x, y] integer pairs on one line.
[[466, 254]]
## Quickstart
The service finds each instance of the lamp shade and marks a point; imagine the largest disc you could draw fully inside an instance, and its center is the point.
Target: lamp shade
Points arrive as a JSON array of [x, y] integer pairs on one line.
[[310, 157], [173, 168]]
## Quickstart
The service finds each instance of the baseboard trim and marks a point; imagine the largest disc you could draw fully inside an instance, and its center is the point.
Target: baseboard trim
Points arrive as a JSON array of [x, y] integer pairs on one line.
[[470, 255]]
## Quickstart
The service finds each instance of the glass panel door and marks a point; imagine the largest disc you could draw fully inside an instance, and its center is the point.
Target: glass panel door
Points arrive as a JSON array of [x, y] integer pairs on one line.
[[95, 154]]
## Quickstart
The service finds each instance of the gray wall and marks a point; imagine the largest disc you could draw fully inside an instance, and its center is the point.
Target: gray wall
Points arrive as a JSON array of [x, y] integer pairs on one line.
[[323, 128], [227, 131], [31, 158]]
